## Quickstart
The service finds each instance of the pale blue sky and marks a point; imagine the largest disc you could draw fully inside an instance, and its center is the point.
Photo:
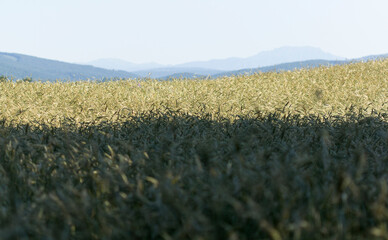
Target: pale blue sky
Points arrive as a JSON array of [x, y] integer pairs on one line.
[[177, 31]]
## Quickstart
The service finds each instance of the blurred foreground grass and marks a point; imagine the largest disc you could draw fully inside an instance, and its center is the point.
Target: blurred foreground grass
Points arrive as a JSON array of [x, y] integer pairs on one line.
[[293, 155]]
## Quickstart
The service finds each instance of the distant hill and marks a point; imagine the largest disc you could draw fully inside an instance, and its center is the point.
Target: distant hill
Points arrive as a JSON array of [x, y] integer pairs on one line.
[[153, 70], [183, 76], [21, 66], [118, 64], [298, 65], [282, 67], [266, 58], [213, 67], [175, 71], [372, 57]]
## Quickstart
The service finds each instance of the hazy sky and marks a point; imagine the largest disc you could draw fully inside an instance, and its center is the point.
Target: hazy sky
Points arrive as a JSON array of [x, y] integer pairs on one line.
[[177, 31]]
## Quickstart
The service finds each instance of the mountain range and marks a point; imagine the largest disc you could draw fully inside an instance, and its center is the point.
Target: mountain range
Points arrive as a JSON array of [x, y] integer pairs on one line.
[[285, 58], [217, 66], [300, 65]]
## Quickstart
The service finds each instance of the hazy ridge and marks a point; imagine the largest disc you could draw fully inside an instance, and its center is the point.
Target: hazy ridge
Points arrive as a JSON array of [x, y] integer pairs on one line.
[[287, 58]]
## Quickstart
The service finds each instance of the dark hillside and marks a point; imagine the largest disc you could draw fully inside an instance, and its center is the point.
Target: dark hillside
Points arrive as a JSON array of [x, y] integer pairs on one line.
[[21, 66]]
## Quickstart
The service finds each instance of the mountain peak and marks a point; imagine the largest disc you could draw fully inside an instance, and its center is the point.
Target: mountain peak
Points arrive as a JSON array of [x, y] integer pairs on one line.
[[267, 58]]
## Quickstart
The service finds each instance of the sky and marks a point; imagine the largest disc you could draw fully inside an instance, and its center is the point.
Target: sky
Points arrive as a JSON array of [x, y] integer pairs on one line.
[[178, 31]]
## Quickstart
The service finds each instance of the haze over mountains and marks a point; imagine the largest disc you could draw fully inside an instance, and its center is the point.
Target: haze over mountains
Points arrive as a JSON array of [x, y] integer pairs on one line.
[[211, 67], [118, 64], [285, 58], [266, 58]]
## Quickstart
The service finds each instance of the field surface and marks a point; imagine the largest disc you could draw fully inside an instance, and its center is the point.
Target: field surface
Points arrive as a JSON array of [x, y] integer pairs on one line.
[[290, 155]]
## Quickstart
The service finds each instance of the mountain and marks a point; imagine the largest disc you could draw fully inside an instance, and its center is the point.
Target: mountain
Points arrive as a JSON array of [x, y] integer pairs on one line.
[[373, 57], [183, 76], [176, 71], [298, 65], [213, 67], [153, 70], [118, 64], [21, 66], [266, 58], [282, 67]]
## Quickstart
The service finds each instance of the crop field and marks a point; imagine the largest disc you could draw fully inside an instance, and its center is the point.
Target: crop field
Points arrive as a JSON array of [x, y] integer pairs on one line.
[[290, 155]]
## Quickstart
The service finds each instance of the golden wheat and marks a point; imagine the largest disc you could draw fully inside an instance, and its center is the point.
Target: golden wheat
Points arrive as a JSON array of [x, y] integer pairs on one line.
[[317, 91]]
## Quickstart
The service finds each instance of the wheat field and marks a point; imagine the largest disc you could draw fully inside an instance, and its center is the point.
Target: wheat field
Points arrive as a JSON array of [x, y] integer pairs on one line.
[[283, 155], [319, 91]]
